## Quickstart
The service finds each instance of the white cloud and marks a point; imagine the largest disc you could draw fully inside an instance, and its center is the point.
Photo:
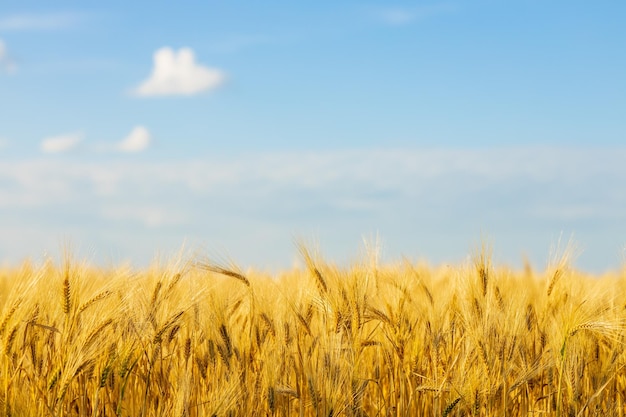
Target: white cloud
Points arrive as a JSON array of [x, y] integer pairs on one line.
[[420, 199], [61, 143], [52, 21], [346, 175], [139, 139], [6, 63], [177, 73]]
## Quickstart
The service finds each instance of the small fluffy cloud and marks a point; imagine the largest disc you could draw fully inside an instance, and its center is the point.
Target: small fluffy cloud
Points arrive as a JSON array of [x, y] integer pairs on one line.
[[139, 139], [177, 73], [6, 63], [61, 143]]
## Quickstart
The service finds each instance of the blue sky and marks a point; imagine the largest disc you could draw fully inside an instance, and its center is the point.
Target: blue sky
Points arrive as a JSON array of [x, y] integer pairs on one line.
[[130, 128]]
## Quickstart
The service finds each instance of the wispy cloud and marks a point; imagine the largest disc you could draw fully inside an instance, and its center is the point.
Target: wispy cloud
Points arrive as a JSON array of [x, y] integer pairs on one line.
[[398, 16], [78, 66], [235, 43], [139, 139], [409, 195], [151, 216], [30, 21], [61, 143], [178, 73], [6, 62], [455, 173]]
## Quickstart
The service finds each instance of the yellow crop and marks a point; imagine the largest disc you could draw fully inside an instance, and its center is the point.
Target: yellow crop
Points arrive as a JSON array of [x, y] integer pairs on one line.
[[198, 339]]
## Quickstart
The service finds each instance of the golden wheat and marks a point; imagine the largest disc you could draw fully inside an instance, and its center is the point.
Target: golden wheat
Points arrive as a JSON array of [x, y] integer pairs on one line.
[[197, 339]]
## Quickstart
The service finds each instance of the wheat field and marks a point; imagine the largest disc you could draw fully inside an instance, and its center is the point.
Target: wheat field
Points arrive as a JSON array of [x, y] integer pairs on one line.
[[195, 338]]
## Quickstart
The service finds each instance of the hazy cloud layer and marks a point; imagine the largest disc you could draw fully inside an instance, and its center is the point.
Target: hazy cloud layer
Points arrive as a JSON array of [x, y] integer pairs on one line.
[[178, 73], [430, 200], [151, 216], [61, 143], [433, 174]]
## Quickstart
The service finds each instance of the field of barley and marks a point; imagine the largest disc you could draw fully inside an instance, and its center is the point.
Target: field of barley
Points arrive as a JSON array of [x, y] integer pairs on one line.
[[195, 338]]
